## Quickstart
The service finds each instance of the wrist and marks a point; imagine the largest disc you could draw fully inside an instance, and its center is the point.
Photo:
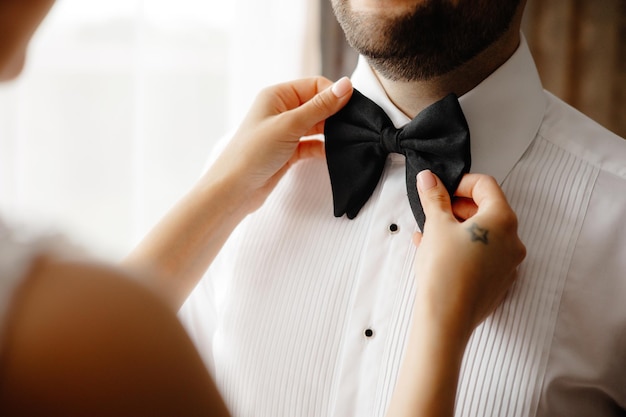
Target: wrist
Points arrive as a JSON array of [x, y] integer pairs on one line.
[[225, 191], [447, 324], [435, 349]]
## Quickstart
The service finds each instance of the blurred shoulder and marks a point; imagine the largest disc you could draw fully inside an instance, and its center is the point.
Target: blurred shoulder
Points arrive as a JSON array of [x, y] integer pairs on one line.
[[74, 323]]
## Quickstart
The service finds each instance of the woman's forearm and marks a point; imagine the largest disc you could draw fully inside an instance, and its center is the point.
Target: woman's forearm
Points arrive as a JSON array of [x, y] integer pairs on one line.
[[429, 373], [179, 249], [182, 246], [460, 281]]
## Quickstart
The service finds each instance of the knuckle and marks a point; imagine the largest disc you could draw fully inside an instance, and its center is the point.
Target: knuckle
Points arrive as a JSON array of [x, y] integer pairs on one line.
[[506, 219], [438, 196], [509, 219], [435, 199], [290, 126], [266, 98], [487, 181], [321, 102], [491, 179], [265, 93], [487, 178]]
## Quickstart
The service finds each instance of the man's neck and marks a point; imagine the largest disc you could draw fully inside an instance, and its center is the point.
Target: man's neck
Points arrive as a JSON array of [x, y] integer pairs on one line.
[[413, 96]]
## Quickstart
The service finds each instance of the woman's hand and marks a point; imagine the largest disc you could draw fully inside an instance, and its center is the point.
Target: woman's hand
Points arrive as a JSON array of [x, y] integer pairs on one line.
[[465, 263], [184, 243], [468, 255], [269, 140]]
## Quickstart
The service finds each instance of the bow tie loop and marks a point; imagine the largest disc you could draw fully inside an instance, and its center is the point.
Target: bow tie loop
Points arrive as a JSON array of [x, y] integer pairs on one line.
[[360, 136]]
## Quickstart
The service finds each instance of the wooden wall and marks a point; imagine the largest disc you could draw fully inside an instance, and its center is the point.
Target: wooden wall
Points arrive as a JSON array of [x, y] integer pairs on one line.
[[580, 49]]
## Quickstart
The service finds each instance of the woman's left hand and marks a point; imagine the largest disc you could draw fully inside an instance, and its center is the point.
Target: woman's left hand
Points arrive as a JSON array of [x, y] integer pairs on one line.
[[269, 140]]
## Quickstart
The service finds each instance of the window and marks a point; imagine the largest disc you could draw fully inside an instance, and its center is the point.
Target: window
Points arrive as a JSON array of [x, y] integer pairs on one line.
[[122, 101]]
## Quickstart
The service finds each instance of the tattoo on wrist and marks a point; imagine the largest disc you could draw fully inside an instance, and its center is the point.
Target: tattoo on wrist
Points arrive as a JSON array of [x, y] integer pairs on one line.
[[478, 234]]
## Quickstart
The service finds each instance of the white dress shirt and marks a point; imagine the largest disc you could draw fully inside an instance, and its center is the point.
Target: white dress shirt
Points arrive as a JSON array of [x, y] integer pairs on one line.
[[304, 314]]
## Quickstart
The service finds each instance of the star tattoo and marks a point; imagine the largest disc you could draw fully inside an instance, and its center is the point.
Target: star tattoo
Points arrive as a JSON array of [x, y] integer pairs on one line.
[[478, 234]]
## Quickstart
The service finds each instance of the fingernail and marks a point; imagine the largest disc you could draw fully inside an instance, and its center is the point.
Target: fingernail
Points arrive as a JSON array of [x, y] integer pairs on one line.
[[341, 87], [426, 180]]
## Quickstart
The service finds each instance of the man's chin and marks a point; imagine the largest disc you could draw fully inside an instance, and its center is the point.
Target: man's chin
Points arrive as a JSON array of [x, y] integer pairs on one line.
[[406, 70]]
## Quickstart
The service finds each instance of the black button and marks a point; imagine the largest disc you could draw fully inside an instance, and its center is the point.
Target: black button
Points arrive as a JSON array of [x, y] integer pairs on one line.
[[368, 332], [393, 228]]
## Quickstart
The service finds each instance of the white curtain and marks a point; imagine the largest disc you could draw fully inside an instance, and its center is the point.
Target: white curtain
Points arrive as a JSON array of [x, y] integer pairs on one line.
[[122, 101]]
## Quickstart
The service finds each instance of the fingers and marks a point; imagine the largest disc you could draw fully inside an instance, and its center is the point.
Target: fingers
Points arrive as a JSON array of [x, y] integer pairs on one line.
[[299, 108], [476, 192], [483, 189], [433, 195], [463, 208], [321, 106], [489, 200], [417, 238], [311, 148]]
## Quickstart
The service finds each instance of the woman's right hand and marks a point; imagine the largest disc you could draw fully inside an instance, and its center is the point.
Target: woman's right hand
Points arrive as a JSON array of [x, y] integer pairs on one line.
[[465, 263], [468, 254]]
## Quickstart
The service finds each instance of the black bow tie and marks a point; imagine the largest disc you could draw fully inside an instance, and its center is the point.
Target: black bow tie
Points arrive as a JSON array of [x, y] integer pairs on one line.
[[359, 137]]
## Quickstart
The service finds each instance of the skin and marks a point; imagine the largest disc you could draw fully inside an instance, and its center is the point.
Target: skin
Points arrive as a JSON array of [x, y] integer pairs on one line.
[[89, 339]]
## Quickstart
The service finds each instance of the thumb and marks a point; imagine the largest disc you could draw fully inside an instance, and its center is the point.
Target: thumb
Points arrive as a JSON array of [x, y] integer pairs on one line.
[[433, 194], [325, 103]]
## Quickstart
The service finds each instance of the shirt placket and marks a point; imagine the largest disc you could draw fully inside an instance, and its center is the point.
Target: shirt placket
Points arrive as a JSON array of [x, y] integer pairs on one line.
[[382, 274]]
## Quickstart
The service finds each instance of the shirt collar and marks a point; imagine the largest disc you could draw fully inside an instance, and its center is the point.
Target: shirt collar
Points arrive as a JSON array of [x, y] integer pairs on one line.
[[503, 112]]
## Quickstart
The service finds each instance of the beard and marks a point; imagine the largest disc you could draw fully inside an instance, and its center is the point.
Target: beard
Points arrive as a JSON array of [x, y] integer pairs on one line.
[[428, 41]]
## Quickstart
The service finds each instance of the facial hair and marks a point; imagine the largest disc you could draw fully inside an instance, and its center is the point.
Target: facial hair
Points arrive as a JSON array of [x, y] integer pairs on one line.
[[430, 40]]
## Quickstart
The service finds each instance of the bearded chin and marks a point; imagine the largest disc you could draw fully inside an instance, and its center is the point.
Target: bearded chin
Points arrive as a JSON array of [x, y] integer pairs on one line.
[[429, 41], [409, 68]]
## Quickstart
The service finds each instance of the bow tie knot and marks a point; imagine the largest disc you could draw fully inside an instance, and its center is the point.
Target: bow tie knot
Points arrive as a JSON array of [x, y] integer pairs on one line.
[[390, 140], [360, 136]]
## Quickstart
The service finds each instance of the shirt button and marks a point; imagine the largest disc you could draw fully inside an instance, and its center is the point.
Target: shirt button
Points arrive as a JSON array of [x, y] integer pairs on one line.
[[368, 332], [393, 228]]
